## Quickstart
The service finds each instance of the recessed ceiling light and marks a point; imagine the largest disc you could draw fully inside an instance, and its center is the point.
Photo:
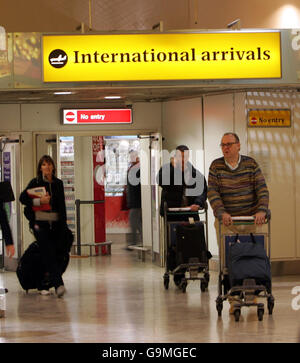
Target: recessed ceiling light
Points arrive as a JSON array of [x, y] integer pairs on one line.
[[112, 97], [29, 98], [63, 93]]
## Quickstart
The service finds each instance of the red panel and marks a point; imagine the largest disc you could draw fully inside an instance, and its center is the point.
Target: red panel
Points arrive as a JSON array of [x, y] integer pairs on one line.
[[113, 213], [98, 116], [99, 193]]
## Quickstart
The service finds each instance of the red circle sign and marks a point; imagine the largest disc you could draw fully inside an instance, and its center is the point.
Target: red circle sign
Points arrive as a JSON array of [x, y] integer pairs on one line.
[[253, 120], [70, 116]]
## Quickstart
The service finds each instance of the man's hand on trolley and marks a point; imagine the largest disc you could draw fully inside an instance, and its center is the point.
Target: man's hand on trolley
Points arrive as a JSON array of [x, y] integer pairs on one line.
[[259, 218], [10, 250], [194, 207], [226, 219]]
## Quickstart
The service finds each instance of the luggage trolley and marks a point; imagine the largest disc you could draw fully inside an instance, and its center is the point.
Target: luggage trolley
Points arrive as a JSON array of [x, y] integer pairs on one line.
[[245, 294], [193, 264]]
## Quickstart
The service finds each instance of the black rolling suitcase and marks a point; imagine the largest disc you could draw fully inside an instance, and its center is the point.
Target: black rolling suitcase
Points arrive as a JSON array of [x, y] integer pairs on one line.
[[190, 244], [30, 270]]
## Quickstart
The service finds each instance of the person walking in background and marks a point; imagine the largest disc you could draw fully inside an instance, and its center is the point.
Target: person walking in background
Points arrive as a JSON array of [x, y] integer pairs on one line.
[[182, 185], [6, 232], [133, 199], [45, 209]]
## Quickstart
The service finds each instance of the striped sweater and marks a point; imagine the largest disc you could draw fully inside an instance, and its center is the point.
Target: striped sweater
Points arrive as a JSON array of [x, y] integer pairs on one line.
[[242, 191]]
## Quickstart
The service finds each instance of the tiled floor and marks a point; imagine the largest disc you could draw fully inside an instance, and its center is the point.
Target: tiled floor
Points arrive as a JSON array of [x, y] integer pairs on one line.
[[118, 298]]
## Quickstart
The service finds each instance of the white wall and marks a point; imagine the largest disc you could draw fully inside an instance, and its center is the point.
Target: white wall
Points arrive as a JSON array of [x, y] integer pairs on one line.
[[83, 165], [182, 124], [277, 151]]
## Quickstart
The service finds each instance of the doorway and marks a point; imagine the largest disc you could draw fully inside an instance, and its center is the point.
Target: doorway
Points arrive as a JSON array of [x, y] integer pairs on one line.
[[80, 170]]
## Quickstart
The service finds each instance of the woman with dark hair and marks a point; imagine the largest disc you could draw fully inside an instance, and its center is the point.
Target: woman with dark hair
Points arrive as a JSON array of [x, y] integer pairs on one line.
[[46, 213]]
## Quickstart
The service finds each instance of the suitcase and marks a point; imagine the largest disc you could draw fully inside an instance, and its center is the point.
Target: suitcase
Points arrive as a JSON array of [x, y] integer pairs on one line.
[[190, 244], [247, 259], [30, 270]]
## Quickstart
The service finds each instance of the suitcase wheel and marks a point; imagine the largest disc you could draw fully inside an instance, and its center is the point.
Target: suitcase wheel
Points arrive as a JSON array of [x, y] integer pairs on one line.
[[203, 286], [183, 285], [270, 304], [219, 305], [260, 313], [166, 281], [237, 314]]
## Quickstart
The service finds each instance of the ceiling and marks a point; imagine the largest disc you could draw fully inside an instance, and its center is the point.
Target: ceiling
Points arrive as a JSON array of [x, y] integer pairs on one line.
[[128, 95], [126, 15]]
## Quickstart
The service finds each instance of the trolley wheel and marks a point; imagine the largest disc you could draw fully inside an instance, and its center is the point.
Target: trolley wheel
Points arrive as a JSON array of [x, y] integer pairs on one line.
[[166, 281], [260, 313], [270, 304], [237, 313]]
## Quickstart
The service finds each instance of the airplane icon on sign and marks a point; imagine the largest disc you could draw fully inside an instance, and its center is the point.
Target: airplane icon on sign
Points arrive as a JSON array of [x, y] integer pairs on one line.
[[59, 60]]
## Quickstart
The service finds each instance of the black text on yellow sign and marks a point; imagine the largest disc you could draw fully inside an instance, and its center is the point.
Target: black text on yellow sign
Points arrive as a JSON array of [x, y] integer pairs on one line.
[[142, 57], [269, 118]]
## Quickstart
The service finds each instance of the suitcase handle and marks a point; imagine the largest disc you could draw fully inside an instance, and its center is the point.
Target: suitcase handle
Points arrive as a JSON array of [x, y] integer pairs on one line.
[[251, 235]]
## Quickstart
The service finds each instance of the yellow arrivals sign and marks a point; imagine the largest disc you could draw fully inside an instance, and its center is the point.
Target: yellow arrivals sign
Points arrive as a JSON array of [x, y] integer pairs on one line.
[[151, 57], [269, 118]]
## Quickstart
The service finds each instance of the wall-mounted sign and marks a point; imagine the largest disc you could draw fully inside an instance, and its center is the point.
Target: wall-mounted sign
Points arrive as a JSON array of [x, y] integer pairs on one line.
[[137, 57], [269, 118], [96, 116]]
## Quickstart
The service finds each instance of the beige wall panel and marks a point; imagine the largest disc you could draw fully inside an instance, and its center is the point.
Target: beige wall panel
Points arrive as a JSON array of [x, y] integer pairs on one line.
[[182, 124], [240, 122], [296, 124], [218, 119], [84, 174], [10, 117], [46, 117], [28, 171], [273, 150]]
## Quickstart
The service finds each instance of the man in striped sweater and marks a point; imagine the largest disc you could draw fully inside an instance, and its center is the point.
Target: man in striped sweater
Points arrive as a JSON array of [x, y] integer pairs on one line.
[[236, 185]]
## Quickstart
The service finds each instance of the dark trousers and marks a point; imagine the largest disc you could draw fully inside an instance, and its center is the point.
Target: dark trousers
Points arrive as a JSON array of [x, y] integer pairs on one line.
[[47, 236], [135, 221]]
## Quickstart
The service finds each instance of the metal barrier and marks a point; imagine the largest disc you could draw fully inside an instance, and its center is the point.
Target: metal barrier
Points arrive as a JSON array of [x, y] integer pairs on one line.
[[78, 244]]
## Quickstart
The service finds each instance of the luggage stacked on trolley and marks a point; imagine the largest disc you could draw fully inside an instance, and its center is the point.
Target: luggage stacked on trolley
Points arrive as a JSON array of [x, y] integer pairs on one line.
[[244, 266], [186, 252]]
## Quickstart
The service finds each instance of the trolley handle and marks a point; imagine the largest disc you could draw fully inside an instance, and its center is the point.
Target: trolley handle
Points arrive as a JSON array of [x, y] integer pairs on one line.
[[251, 218], [243, 218], [185, 209]]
